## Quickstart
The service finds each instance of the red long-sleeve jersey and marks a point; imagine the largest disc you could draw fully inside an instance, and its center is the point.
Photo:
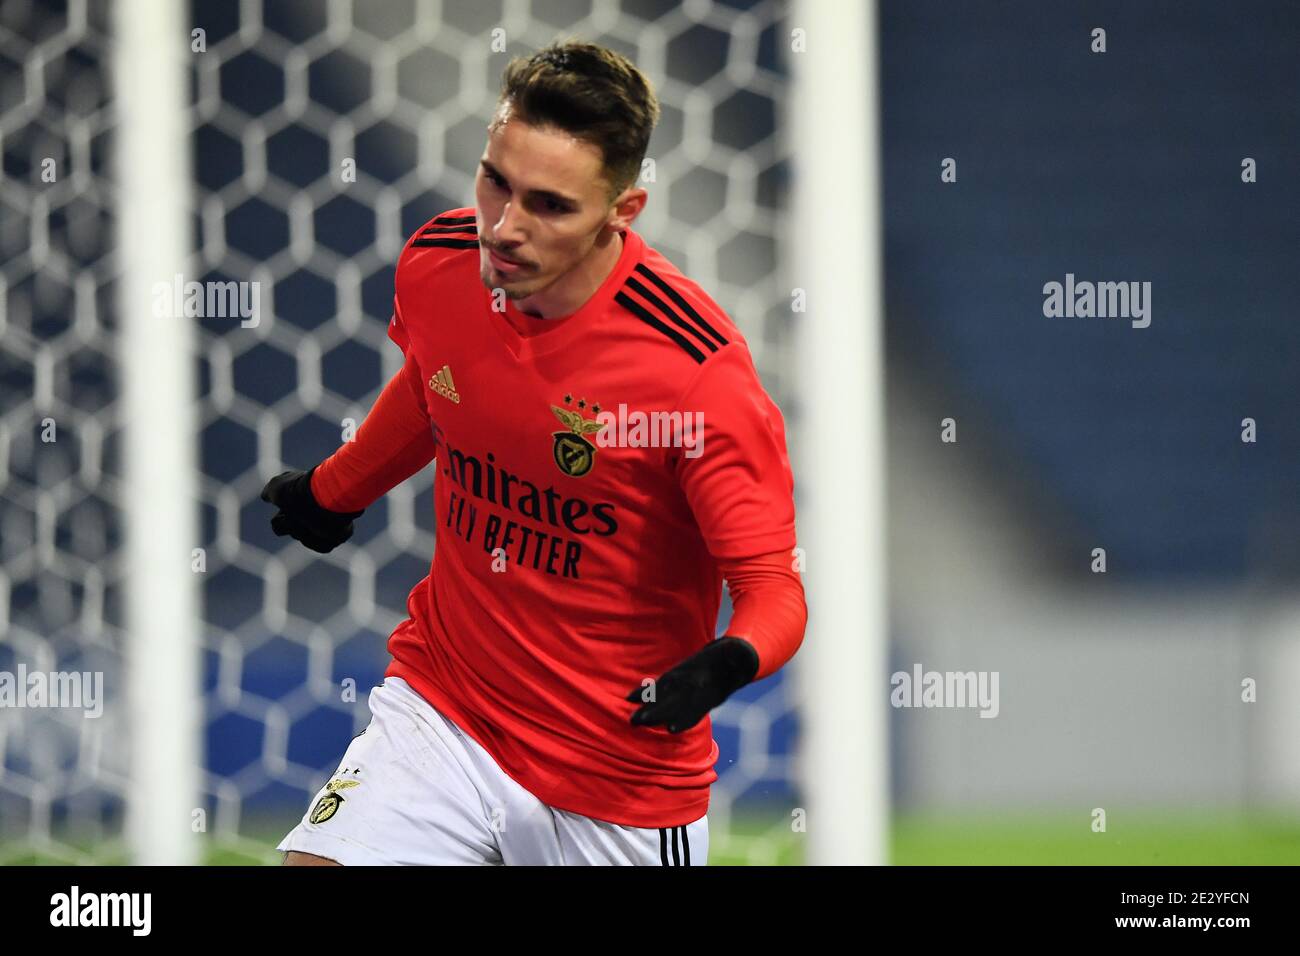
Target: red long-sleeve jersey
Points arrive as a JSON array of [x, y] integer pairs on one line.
[[597, 477]]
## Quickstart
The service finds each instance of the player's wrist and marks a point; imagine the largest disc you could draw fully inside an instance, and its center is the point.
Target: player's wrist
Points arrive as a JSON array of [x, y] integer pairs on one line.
[[736, 663], [302, 517], [312, 509]]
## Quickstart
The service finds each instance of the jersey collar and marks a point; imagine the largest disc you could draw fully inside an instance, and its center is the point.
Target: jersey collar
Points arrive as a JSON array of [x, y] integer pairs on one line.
[[526, 335]]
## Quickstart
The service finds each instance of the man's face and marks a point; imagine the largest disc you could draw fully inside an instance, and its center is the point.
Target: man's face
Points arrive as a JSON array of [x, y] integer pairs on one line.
[[542, 201]]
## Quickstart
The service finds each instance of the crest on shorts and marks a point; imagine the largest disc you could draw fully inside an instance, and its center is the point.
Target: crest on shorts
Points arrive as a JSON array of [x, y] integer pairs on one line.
[[574, 455], [329, 803], [326, 807]]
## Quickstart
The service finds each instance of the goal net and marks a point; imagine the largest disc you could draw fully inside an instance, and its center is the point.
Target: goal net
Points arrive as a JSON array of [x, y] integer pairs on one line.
[[322, 135]]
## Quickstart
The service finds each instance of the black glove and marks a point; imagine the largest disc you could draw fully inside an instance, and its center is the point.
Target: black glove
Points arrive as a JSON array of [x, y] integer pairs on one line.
[[302, 517], [683, 695]]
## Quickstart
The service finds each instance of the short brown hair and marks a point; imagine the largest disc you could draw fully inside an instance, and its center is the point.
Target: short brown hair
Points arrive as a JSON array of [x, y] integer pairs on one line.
[[590, 91]]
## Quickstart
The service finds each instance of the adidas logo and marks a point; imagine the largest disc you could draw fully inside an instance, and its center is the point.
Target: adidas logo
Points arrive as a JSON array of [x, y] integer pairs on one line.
[[443, 385]]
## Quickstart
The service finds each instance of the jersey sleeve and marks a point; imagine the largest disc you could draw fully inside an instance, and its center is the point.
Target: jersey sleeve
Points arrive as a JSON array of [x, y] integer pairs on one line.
[[397, 329], [737, 478], [393, 442], [768, 607]]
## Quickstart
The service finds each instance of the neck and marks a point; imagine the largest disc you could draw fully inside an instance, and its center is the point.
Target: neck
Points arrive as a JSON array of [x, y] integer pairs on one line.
[[569, 293]]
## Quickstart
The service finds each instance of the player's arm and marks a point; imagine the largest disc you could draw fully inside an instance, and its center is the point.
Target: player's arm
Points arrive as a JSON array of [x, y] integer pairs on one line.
[[741, 491], [317, 507], [767, 627], [768, 609]]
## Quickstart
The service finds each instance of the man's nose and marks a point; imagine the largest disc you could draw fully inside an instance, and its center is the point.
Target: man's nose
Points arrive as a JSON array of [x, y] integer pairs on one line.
[[508, 228]]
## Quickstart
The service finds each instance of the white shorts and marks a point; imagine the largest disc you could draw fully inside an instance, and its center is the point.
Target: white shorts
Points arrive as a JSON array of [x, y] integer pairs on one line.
[[415, 789]]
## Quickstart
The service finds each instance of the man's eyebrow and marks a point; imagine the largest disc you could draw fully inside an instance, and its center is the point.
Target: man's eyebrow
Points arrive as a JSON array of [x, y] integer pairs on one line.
[[533, 193]]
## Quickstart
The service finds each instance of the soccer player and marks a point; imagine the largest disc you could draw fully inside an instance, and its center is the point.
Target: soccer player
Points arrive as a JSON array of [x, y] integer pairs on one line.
[[606, 456]]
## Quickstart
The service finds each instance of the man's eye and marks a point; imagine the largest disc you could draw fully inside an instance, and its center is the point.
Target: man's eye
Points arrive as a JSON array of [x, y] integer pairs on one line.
[[496, 180]]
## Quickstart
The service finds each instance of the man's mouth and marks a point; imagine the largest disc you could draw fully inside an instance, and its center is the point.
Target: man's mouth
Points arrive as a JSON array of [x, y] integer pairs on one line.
[[504, 264]]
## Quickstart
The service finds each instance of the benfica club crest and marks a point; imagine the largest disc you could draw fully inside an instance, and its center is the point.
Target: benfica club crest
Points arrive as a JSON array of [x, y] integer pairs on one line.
[[325, 808], [574, 455], [329, 803]]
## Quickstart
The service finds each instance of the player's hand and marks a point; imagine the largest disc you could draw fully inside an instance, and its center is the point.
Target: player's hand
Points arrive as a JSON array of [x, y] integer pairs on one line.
[[302, 517], [682, 696]]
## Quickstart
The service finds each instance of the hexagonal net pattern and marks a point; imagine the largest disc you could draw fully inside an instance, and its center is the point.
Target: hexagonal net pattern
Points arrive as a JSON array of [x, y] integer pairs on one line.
[[287, 99], [62, 773]]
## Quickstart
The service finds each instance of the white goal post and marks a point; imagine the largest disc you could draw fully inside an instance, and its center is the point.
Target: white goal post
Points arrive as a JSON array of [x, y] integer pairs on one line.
[[833, 119], [158, 495]]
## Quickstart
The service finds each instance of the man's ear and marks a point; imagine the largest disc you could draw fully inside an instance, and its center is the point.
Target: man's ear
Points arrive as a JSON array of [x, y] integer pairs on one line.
[[626, 207]]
